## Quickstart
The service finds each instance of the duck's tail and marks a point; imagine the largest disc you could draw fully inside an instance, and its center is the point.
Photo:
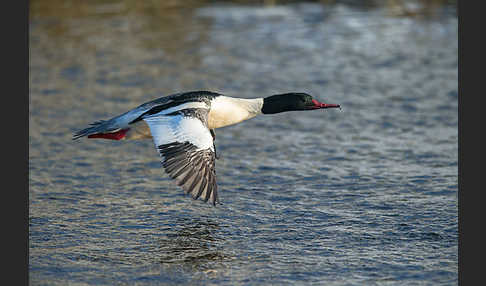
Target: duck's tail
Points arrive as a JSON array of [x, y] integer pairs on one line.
[[101, 129]]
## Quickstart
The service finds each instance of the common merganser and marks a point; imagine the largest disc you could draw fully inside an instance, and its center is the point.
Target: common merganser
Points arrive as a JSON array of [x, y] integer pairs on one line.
[[182, 128]]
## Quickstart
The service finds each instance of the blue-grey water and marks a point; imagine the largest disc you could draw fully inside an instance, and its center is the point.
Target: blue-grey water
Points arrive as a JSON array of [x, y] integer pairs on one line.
[[366, 195]]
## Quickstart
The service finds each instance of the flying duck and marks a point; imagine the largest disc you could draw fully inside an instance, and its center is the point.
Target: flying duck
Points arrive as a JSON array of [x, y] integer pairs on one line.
[[182, 128]]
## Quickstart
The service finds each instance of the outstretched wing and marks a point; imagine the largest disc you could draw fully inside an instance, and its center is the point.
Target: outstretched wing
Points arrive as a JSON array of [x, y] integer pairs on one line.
[[186, 148]]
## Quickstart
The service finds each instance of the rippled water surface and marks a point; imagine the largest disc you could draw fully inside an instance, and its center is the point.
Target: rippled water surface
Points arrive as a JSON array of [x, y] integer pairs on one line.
[[363, 195]]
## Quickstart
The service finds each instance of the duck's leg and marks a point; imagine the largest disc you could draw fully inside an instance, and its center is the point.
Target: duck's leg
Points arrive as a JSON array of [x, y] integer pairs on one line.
[[214, 144]]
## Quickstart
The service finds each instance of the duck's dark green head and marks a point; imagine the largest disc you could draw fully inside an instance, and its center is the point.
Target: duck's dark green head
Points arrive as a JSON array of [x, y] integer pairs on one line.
[[291, 102]]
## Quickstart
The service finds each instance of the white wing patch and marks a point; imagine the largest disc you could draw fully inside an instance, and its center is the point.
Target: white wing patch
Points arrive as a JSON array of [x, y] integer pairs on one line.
[[186, 147], [179, 128]]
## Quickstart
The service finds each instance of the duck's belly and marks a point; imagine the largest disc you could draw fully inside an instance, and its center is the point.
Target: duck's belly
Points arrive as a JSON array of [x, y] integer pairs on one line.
[[138, 130]]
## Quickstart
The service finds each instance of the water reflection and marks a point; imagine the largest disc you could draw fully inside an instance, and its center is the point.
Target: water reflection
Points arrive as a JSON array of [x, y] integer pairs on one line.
[[194, 243]]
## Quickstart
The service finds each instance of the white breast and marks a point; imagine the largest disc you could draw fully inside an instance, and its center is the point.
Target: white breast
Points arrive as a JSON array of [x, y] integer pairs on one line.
[[228, 110]]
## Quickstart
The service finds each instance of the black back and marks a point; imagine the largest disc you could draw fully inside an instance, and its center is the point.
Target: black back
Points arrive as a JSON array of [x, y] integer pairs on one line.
[[159, 104]]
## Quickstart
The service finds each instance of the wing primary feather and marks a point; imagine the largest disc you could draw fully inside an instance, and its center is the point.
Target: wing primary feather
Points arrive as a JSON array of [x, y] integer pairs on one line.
[[208, 192], [190, 165], [186, 178], [203, 184], [190, 184], [187, 151], [214, 194], [215, 190], [176, 166], [197, 180]]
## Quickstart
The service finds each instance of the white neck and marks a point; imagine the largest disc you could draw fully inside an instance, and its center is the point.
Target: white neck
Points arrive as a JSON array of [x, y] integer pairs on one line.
[[230, 110]]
